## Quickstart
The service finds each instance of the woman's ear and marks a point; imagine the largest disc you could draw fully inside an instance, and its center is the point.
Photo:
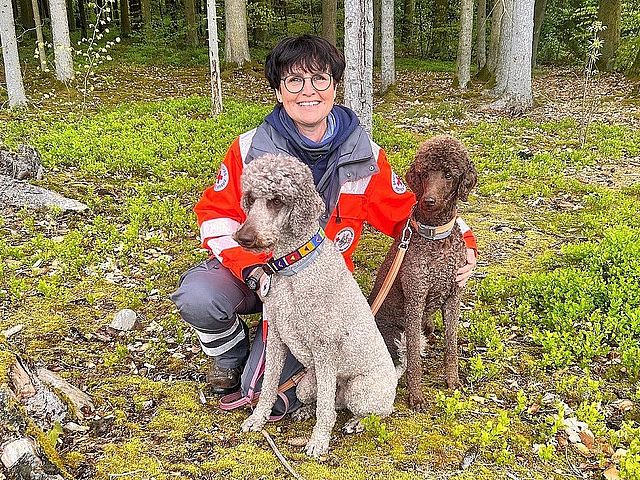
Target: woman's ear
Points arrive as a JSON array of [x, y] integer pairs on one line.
[[278, 95], [468, 181]]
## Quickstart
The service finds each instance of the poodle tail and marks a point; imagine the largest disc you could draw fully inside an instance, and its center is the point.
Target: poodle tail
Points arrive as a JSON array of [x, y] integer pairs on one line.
[[401, 344]]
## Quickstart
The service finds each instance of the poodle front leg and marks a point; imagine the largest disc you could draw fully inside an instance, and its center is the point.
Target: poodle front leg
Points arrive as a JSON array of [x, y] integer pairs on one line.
[[413, 317], [450, 316], [274, 362], [326, 372]]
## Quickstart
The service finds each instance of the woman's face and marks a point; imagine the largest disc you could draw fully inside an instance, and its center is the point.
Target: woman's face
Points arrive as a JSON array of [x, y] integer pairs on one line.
[[309, 107]]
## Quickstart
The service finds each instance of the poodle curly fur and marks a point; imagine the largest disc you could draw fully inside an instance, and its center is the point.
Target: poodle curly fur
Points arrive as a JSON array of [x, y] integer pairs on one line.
[[319, 313], [441, 174]]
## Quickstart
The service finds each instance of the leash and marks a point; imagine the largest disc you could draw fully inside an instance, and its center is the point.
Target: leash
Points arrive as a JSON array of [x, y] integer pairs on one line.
[[395, 267]]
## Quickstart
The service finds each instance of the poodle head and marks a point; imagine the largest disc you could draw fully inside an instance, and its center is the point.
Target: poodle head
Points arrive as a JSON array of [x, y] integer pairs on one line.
[[441, 174], [280, 201]]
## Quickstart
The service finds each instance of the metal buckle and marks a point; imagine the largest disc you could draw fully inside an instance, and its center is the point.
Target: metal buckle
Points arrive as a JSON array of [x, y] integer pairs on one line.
[[268, 269], [406, 236]]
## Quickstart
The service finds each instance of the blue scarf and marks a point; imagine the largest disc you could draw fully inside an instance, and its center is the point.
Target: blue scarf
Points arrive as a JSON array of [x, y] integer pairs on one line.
[[319, 156]]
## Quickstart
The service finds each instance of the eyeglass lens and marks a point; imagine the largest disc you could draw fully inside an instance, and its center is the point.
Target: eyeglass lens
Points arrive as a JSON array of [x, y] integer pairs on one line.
[[319, 81]]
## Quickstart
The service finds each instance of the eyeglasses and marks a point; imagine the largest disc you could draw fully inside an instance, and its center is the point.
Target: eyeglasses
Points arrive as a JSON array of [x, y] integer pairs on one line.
[[295, 83]]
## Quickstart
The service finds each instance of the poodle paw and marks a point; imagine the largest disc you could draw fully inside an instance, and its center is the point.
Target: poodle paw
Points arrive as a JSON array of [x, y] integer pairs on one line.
[[353, 426], [254, 423], [305, 412], [317, 446], [417, 402]]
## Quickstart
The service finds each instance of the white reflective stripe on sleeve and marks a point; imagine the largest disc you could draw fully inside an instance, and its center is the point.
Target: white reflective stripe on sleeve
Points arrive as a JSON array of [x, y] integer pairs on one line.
[[355, 188], [245, 142], [463, 226], [210, 337], [217, 351], [376, 149], [218, 227], [217, 245]]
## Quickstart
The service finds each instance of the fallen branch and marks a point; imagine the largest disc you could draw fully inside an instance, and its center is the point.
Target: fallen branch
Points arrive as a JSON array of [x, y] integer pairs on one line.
[[283, 460]]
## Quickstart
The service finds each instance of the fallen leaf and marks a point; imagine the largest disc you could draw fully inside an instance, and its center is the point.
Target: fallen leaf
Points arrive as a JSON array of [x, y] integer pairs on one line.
[[624, 405], [533, 409], [588, 438], [582, 449], [298, 441], [611, 473], [619, 453]]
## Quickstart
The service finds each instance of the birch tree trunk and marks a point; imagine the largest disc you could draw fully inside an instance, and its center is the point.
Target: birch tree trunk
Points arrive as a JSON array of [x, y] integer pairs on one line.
[[214, 59], [61, 42], [190, 19], [481, 38], [504, 47], [494, 37], [517, 95], [125, 20], [358, 49], [13, 75], [538, 18], [463, 71], [330, 20], [610, 14], [39, 38], [236, 42], [387, 47]]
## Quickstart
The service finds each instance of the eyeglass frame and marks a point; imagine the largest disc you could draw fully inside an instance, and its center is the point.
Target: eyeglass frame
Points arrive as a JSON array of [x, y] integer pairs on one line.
[[304, 80]]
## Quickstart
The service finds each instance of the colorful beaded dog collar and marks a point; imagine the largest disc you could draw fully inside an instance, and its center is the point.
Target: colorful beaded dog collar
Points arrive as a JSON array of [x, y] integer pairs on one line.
[[275, 265]]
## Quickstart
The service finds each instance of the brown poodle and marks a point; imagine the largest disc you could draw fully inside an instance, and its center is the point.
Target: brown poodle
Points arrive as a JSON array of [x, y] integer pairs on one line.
[[441, 175]]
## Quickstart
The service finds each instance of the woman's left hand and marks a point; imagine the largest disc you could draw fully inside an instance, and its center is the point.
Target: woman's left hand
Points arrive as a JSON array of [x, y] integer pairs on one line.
[[464, 273]]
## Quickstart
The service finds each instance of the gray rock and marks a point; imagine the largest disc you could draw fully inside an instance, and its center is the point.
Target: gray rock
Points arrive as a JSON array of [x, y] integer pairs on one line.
[[125, 320]]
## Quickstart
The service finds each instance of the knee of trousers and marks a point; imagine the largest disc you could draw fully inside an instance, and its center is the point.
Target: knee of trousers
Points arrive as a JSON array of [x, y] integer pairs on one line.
[[205, 310]]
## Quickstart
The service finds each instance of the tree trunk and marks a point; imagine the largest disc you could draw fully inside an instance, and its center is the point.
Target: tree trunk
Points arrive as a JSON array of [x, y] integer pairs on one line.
[[26, 14], [214, 59], [440, 27], [83, 18], [61, 41], [377, 42], [408, 31], [236, 42], [481, 38], [125, 22], [13, 74], [71, 16], [358, 49], [190, 18], [463, 74], [387, 50], [610, 14], [330, 20], [504, 47], [489, 71], [538, 18], [514, 70], [39, 38], [145, 7]]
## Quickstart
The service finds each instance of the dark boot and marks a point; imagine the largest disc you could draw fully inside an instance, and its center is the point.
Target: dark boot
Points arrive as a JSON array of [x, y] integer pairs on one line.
[[223, 380]]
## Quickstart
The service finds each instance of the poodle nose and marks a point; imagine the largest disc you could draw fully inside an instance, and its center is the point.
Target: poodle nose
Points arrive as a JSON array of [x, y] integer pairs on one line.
[[429, 201], [245, 237]]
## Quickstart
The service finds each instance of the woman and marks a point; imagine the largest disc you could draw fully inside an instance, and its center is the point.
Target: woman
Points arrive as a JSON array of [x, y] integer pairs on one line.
[[351, 174]]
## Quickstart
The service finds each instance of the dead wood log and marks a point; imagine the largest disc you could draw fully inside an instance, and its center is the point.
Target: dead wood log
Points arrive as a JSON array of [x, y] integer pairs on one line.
[[23, 194]]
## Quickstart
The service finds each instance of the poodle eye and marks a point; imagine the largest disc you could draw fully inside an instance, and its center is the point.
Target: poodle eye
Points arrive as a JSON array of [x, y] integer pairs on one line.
[[249, 200], [448, 175], [275, 203]]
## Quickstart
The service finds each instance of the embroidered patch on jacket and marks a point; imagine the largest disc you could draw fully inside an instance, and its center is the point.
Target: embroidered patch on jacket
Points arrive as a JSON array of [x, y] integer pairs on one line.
[[344, 239], [397, 184], [223, 178]]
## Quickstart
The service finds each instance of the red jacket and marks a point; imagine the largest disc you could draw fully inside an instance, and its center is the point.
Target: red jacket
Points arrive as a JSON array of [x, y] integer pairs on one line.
[[381, 200]]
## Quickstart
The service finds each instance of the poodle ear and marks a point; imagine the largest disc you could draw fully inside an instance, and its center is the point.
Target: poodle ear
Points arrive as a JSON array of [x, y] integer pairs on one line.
[[413, 180], [307, 208], [467, 182]]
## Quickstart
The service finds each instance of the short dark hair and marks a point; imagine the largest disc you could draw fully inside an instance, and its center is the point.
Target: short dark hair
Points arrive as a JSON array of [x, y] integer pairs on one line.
[[310, 52]]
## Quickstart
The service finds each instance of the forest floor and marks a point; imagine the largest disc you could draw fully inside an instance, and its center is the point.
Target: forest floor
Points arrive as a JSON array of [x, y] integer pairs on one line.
[[550, 329]]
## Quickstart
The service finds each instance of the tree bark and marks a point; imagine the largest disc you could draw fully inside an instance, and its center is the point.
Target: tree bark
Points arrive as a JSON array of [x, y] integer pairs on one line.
[[26, 14], [538, 18], [125, 21], [83, 18], [504, 47], [440, 26], [514, 72], [408, 30], [61, 41], [39, 38], [387, 47], [377, 42], [481, 38], [145, 7], [358, 48], [236, 42], [214, 59], [190, 18], [610, 14], [71, 17], [13, 74], [330, 20], [463, 71]]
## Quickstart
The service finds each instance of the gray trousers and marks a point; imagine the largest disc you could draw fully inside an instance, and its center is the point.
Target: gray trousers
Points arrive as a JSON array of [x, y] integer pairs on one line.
[[209, 298]]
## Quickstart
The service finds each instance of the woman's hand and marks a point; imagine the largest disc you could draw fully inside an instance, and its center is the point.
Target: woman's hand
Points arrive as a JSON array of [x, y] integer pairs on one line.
[[464, 273]]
